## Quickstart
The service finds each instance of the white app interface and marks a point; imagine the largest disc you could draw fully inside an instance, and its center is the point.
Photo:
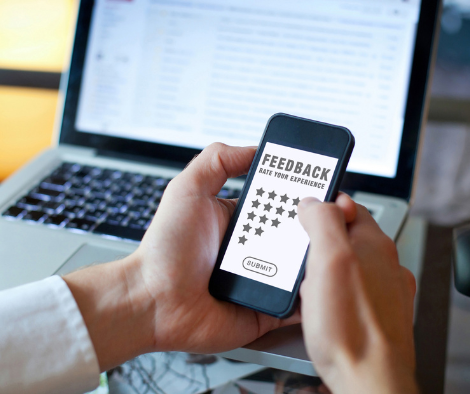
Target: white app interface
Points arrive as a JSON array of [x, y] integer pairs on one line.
[[268, 243]]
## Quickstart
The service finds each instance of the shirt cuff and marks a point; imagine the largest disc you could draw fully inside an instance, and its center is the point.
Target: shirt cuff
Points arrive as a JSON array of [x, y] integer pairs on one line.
[[44, 343]]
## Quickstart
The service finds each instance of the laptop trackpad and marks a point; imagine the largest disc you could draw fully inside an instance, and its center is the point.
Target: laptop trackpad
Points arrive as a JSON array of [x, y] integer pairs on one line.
[[90, 255]]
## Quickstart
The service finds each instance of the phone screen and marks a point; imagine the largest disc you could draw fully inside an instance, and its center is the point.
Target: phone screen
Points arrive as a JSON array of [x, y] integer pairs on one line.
[[268, 243]]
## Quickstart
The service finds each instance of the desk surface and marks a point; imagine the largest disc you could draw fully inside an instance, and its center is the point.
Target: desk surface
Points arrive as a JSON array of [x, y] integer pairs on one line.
[[284, 348]]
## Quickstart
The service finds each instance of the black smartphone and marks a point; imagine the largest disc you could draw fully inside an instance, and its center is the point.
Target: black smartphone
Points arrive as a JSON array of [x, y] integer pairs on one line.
[[262, 257]]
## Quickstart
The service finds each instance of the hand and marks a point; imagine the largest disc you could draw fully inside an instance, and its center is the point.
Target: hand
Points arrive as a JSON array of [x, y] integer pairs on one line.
[[357, 303], [178, 254], [157, 299]]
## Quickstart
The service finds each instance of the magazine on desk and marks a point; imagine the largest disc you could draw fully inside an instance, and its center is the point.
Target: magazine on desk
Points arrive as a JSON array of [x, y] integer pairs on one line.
[[176, 373]]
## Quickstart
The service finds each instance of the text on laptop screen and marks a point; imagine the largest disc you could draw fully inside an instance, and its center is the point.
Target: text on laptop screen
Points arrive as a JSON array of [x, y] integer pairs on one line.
[[188, 73]]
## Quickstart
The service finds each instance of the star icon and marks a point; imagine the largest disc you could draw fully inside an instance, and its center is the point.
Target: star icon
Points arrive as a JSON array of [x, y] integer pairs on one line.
[[247, 227], [272, 195], [251, 215], [255, 204], [259, 231], [275, 223], [267, 207], [292, 214], [284, 198], [296, 201], [280, 210], [242, 240], [260, 191], [262, 219]]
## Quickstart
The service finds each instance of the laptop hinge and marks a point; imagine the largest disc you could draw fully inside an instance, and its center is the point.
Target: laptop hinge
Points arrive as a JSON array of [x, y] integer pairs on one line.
[[74, 149], [140, 159]]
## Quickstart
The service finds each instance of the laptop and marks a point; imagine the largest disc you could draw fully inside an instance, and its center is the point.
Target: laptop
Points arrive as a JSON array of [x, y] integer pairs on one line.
[[152, 82]]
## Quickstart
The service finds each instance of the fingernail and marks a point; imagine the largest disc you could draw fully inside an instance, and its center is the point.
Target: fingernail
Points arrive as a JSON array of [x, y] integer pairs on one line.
[[308, 201]]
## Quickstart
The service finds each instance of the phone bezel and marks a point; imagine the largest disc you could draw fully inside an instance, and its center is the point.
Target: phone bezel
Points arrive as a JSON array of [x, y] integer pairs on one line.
[[305, 134]]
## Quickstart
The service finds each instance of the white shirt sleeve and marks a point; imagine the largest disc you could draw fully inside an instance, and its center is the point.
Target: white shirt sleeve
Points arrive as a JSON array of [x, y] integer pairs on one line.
[[44, 343]]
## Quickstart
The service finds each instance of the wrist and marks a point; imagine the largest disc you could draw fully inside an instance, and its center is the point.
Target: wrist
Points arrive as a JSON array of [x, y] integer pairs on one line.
[[381, 370], [117, 310]]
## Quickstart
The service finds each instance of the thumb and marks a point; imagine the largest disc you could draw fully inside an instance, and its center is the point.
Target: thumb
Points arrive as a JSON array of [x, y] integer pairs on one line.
[[208, 172]]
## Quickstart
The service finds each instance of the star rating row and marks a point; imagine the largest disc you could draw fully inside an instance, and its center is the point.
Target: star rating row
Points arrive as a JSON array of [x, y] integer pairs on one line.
[[279, 211], [273, 195], [258, 231], [262, 219]]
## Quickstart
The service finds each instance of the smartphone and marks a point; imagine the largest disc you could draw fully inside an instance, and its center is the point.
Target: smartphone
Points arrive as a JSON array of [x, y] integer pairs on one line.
[[261, 260]]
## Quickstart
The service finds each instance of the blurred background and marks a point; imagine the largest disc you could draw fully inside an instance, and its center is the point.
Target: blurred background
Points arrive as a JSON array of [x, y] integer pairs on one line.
[[34, 40], [34, 45]]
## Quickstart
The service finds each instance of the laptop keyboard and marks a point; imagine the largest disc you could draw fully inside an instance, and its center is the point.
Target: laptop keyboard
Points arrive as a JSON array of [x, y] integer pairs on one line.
[[96, 200]]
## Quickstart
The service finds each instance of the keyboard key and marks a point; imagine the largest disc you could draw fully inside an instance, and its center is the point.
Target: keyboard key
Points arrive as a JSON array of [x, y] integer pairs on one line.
[[122, 195], [149, 214], [139, 223], [96, 184], [145, 199], [153, 210], [117, 207], [59, 183], [95, 171], [162, 182], [94, 215], [108, 174], [79, 183], [123, 186], [69, 168], [84, 171], [78, 191], [114, 188], [30, 203], [99, 193], [137, 192], [14, 212], [137, 210], [46, 194], [150, 190], [52, 207], [157, 196], [73, 211], [132, 177], [34, 216], [228, 193], [116, 219], [56, 220], [80, 224], [155, 182], [225, 193], [150, 180], [74, 201], [120, 231], [96, 203]]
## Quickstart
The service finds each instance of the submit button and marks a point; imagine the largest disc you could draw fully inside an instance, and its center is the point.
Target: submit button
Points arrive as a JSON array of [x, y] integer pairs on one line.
[[259, 266]]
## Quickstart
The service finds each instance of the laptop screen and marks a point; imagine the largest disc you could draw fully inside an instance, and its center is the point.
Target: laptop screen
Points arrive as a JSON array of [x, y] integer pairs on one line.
[[188, 73]]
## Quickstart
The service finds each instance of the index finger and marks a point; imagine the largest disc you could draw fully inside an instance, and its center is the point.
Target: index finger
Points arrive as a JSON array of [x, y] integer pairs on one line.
[[325, 225]]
